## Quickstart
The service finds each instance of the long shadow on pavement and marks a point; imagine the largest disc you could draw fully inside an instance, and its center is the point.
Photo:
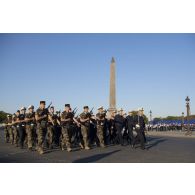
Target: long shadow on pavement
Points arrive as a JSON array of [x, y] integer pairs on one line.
[[155, 143], [95, 158]]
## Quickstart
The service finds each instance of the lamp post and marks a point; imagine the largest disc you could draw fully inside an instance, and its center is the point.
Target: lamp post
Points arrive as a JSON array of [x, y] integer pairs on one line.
[[188, 115], [182, 123], [150, 116], [150, 119]]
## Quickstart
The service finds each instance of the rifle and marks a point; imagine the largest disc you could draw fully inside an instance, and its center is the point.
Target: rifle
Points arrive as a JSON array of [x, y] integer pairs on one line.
[[49, 106], [91, 111], [75, 111], [58, 113], [105, 111]]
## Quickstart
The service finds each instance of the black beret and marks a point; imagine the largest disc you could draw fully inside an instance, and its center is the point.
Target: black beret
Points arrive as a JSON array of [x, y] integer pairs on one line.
[[18, 111], [85, 107], [67, 105], [42, 102]]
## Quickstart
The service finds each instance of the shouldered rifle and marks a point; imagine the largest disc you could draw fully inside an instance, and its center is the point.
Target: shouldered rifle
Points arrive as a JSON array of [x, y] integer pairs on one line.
[[91, 111], [49, 106], [75, 111]]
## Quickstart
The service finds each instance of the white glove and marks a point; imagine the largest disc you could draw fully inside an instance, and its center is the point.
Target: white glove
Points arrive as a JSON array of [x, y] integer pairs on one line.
[[137, 126]]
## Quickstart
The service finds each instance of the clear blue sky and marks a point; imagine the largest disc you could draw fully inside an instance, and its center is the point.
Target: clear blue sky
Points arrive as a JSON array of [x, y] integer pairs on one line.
[[154, 71]]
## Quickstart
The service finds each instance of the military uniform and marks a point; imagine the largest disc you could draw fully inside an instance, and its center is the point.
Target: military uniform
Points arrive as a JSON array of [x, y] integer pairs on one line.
[[119, 121], [51, 129], [21, 129], [112, 130], [66, 129], [140, 126], [15, 131], [30, 130], [130, 123], [7, 131], [85, 128], [101, 120], [41, 128]]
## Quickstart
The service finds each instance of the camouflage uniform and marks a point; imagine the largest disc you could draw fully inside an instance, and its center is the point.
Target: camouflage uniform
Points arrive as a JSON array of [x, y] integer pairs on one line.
[[6, 134], [51, 130], [41, 128], [11, 136], [30, 129], [6, 130], [100, 127], [66, 129], [15, 132], [85, 128]]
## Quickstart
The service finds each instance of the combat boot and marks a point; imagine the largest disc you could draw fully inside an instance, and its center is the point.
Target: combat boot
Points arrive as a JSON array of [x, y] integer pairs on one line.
[[87, 148], [69, 149], [102, 145], [41, 151], [81, 145], [30, 148]]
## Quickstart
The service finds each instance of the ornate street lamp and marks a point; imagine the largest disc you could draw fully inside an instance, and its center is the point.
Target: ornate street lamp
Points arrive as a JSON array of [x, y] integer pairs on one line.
[[182, 123], [188, 115], [150, 116]]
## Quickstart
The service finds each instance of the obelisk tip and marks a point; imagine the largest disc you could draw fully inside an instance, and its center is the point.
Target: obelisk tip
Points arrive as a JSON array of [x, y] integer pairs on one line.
[[113, 60]]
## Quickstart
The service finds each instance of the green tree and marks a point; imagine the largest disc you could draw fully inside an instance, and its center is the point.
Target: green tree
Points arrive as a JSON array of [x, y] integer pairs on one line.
[[3, 116]]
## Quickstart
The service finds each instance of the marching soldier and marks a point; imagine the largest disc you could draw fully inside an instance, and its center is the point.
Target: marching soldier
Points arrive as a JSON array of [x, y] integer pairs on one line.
[[111, 127], [85, 126], [21, 127], [140, 126], [67, 118], [10, 130], [30, 127], [101, 120], [51, 127], [119, 124], [57, 136], [130, 125], [144, 126], [41, 117], [15, 130], [7, 129]]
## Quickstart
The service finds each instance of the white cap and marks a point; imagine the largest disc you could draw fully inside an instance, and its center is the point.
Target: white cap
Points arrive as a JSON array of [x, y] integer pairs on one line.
[[23, 108], [30, 107]]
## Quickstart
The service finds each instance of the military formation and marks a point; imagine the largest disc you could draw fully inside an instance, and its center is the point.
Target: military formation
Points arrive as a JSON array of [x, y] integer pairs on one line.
[[170, 127], [45, 128]]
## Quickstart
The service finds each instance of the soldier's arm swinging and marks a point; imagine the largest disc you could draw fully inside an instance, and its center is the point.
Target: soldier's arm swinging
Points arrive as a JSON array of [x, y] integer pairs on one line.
[[78, 124], [65, 120], [51, 120], [40, 118], [84, 120]]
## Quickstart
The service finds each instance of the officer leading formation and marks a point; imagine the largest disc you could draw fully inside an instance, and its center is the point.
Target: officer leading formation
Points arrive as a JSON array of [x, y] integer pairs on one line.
[[46, 129]]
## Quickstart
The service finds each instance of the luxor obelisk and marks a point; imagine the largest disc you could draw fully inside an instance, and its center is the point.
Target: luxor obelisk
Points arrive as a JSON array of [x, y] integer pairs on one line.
[[112, 86]]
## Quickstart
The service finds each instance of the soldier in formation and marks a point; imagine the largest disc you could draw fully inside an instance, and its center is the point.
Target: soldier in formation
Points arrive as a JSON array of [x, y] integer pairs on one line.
[[45, 128]]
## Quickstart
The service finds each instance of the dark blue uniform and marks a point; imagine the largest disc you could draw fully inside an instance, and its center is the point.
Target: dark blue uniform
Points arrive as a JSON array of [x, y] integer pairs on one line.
[[139, 120], [119, 125], [130, 123]]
